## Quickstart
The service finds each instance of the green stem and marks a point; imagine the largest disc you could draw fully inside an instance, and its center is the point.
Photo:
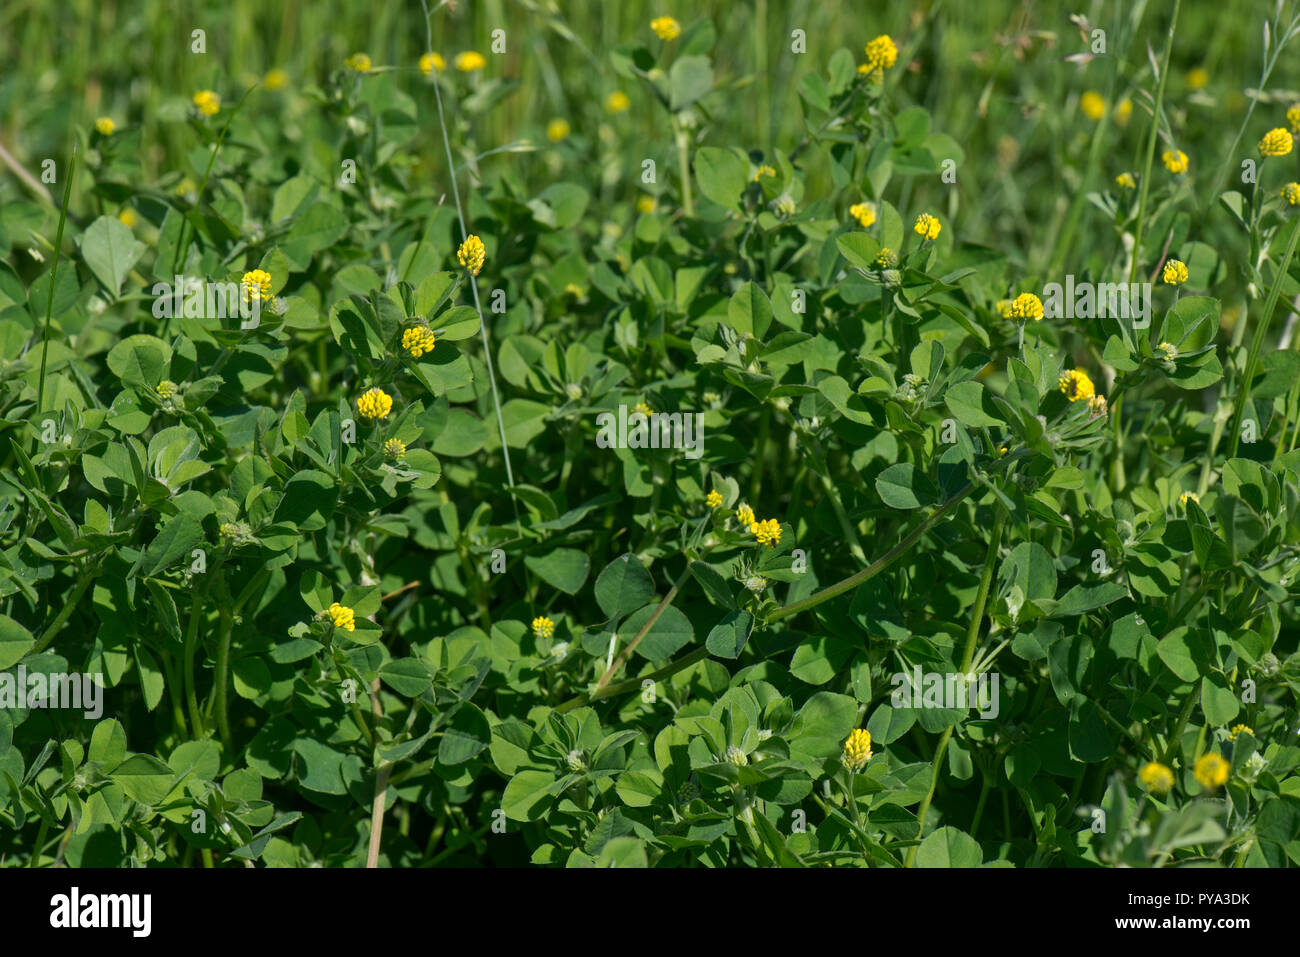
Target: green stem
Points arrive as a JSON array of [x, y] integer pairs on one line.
[[684, 163], [222, 679], [1257, 341], [54, 268], [876, 567], [1145, 185], [972, 636], [191, 645], [70, 605]]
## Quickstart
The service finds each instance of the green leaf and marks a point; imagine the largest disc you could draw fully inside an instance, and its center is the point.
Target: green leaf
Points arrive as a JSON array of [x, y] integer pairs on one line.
[[722, 175], [949, 847], [468, 734], [903, 486], [970, 405], [623, 586], [729, 636], [15, 641], [690, 78], [564, 568], [110, 250]]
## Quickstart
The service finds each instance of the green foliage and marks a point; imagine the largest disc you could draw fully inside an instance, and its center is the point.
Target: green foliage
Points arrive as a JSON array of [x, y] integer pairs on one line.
[[472, 618]]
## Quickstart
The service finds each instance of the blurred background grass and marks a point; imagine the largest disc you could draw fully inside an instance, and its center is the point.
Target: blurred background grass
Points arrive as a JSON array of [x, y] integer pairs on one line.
[[993, 74]]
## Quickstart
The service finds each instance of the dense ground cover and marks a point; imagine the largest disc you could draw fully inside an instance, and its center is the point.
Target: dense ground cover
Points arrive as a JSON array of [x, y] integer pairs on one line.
[[336, 346]]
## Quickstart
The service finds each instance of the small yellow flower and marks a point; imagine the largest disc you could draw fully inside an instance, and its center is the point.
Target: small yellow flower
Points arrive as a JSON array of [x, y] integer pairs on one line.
[[166, 389], [469, 61], [1157, 777], [275, 79], [543, 627], [745, 515], [343, 617], [1092, 104], [617, 102], [1293, 118], [1276, 142], [418, 340], [1123, 110], [764, 171], [927, 226], [645, 204], [359, 62], [881, 55], [1169, 349], [105, 125], [1027, 306], [557, 130], [864, 213], [643, 408], [395, 449], [1291, 193], [1002, 450], [1211, 770], [666, 28], [713, 499], [127, 217], [1004, 308], [432, 61], [1238, 729], [1097, 405], [1188, 497], [1197, 78], [1175, 161], [886, 258], [256, 284], [1076, 385], [472, 254], [768, 532], [375, 404], [1175, 272], [1126, 181], [857, 749], [208, 103], [736, 755]]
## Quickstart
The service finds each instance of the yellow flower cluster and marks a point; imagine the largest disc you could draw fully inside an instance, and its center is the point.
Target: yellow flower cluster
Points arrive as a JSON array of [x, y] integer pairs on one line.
[[207, 102], [1291, 193], [1188, 497], [927, 226], [418, 340], [768, 532], [472, 254], [1076, 385], [375, 404], [166, 389], [557, 130], [1092, 104], [666, 28], [1293, 118], [864, 213], [1238, 729], [857, 749], [764, 170], [886, 258], [469, 61], [275, 79], [713, 499], [343, 617], [617, 102], [643, 408], [256, 284], [1175, 161], [745, 515], [395, 449], [359, 62], [881, 55], [543, 627], [1126, 181], [105, 126], [1157, 777], [1276, 143], [430, 62], [1175, 272], [1027, 306], [1211, 771]]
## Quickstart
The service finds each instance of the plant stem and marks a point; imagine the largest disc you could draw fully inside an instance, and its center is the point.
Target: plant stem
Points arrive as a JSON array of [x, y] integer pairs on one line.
[[222, 679], [1257, 341], [876, 567], [70, 605], [1145, 185], [54, 269], [972, 636], [663, 606]]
